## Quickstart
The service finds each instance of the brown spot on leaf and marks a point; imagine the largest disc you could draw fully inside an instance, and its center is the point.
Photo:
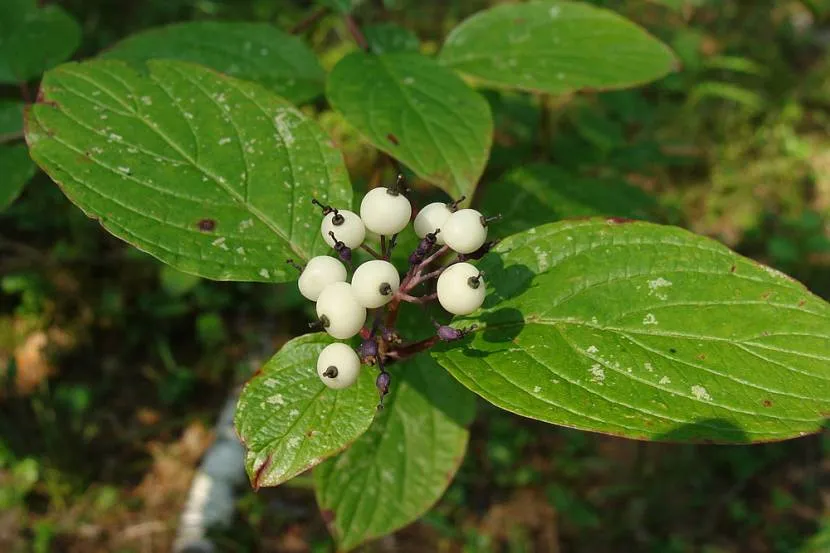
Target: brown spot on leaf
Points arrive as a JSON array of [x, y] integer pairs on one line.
[[619, 220], [672, 350], [801, 303], [766, 295], [519, 20], [206, 225], [767, 403], [701, 356], [392, 138], [733, 268], [260, 472], [328, 516]]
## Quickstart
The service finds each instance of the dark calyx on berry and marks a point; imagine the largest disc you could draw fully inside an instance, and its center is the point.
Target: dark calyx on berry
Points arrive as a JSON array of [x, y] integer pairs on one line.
[[326, 208], [453, 206], [474, 281], [330, 372], [320, 324], [487, 220], [399, 187], [343, 251]]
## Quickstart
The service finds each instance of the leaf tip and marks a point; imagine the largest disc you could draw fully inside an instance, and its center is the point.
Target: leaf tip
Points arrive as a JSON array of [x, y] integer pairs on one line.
[[259, 474]]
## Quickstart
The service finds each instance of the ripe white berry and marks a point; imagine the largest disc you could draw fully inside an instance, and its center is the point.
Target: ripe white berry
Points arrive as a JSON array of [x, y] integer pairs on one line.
[[346, 226], [431, 218], [338, 366], [384, 211], [464, 231], [318, 273], [374, 283], [461, 289], [337, 308]]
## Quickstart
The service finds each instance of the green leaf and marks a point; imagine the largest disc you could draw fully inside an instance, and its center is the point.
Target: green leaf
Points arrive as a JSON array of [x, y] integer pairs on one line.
[[555, 47], [647, 332], [417, 111], [290, 421], [401, 466], [33, 40], [385, 38], [539, 193], [16, 168], [11, 120], [250, 51], [210, 174]]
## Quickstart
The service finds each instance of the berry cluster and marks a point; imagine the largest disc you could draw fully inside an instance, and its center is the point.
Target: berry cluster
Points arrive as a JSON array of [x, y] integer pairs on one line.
[[378, 289]]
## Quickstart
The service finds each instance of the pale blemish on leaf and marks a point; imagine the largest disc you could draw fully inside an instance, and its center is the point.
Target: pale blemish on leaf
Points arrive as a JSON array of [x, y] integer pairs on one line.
[[597, 373], [650, 319], [700, 393], [655, 286]]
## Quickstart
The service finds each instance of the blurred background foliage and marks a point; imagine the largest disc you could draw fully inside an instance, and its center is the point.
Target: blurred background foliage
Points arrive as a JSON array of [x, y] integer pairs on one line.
[[115, 366]]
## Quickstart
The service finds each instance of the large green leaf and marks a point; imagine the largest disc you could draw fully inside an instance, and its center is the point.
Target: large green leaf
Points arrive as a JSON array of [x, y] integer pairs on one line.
[[251, 51], [16, 168], [539, 193], [401, 466], [11, 120], [290, 421], [647, 332], [555, 47], [384, 38], [208, 173], [417, 111], [34, 39]]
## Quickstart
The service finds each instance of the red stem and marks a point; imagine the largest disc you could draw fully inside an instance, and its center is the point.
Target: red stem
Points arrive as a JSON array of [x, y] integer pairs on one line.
[[357, 34]]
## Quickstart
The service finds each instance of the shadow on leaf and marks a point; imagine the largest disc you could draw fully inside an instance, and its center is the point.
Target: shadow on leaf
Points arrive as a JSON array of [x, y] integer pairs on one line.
[[504, 282], [706, 431]]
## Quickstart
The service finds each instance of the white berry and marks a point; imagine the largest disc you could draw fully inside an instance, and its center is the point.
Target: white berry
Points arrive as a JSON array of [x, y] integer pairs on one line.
[[374, 283], [337, 308], [384, 211], [461, 289], [318, 273], [463, 231], [431, 218], [346, 226], [338, 366]]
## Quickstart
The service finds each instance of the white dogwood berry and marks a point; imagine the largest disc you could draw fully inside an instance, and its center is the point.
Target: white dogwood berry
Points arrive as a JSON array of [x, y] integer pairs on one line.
[[338, 366], [464, 231], [431, 218], [374, 283], [318, 273], [338, 311], [461, 289], [385, 211], [346, 226]]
